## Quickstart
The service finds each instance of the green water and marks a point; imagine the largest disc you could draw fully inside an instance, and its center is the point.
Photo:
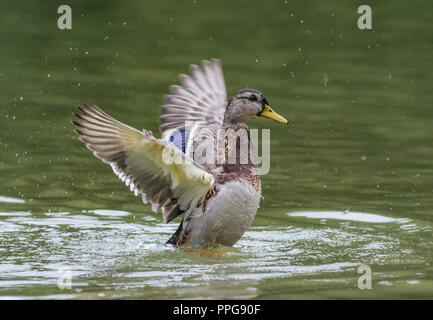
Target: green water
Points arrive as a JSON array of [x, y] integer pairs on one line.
[[351, 176]]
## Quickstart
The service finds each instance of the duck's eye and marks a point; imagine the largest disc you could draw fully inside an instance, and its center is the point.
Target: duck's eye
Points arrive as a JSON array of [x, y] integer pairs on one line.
[[253, 98]]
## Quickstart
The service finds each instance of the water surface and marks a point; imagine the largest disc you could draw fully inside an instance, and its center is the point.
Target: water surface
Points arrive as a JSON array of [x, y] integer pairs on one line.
[[351, 176]]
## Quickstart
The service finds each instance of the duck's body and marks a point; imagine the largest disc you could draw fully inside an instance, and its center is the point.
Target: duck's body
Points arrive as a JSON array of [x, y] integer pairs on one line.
[[226, 218], [211, 183], [225, 215]]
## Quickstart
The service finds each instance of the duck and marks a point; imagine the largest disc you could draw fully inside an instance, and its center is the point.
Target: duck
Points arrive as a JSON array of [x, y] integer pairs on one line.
[[197, 168]]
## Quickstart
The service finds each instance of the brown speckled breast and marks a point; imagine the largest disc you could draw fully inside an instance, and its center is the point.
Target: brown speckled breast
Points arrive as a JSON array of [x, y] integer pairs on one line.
[[240, 172]]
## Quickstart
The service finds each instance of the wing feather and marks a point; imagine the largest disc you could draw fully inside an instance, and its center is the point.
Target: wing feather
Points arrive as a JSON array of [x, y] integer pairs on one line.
[[201, 99], [140, 160]]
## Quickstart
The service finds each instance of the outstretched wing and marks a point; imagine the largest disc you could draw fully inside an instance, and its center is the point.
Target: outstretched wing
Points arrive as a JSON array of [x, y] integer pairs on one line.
[[199, 103], [154, 168]]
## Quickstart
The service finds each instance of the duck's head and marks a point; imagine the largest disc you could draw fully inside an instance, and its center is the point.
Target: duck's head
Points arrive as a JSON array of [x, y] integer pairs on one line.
[[247, 104]]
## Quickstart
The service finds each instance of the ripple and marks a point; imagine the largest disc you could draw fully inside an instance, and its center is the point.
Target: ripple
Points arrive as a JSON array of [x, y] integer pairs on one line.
[[110, 213], [15, 214], [11, 200], [347, 216], [9, 227], [116, 253]]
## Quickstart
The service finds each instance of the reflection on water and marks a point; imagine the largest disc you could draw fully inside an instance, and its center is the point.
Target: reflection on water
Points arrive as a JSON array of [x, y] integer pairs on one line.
[[350, 178]]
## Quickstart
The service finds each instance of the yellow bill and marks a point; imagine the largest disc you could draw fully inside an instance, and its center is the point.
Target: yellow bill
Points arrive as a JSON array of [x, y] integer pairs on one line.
[[271, 114]]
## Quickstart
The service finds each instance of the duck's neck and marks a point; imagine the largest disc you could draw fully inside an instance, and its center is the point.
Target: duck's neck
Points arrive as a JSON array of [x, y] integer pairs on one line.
[[234, 125], [235, 137], [232, 117], [239, 157]]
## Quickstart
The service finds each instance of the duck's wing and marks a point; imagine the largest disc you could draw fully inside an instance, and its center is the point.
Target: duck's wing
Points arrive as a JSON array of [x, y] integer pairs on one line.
[[200, 102], [154, 168]]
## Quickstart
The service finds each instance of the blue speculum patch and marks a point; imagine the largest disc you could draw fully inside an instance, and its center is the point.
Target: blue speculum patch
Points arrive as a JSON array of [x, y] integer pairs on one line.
[[178, 139]]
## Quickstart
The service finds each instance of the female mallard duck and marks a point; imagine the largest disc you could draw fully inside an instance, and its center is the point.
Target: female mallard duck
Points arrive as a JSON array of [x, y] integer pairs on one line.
[[219, 199]]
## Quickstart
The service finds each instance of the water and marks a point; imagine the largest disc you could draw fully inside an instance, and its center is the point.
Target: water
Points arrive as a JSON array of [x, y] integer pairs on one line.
[[350, 180]]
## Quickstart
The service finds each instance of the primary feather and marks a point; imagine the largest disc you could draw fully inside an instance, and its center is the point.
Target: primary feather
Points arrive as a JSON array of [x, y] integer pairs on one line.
[[200, 101]]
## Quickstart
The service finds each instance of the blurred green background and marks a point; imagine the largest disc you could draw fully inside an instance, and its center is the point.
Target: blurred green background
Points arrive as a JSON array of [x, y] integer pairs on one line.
[[359, 103]]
